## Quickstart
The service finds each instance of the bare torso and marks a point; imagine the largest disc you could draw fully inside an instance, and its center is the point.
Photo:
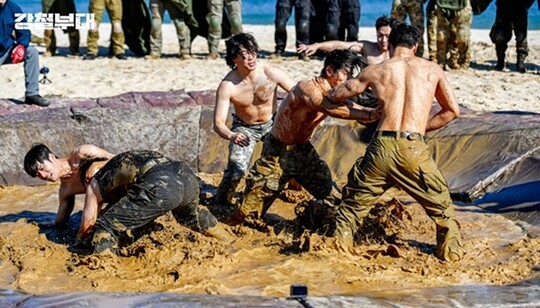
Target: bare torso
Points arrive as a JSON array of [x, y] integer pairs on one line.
[[297, 116], [253, 97], [372, 52]]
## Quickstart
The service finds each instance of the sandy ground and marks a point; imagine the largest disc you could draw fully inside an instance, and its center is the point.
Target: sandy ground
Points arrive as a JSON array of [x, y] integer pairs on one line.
[[37, 259], [479, 88]]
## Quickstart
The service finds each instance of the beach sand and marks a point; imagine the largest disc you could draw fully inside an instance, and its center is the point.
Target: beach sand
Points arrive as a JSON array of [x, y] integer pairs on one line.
[[36, 258], [479, 88]]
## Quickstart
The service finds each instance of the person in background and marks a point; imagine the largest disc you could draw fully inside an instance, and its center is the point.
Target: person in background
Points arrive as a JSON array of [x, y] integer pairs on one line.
[[14, 49], [181, 14], [302, 13], [342, 20], [511, 16], [454, 19], [415, 10], [62, 7], [114, 9], [215, 17]]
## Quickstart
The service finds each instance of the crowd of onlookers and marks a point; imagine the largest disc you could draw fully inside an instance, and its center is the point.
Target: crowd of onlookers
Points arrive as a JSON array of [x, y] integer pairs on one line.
[[448, 29]]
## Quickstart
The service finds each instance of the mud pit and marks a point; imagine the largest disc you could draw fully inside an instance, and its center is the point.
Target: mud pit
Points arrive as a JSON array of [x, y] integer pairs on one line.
[[35, 257]]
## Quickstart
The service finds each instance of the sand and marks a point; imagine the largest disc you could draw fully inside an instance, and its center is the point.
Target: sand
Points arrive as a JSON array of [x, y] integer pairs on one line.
[[479, 88]]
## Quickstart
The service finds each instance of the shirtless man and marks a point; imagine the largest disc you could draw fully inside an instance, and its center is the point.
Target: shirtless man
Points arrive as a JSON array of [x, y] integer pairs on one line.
[[251, 87], [374, 52], [398, 154], [287, 152], [42, 163], [138, 187]]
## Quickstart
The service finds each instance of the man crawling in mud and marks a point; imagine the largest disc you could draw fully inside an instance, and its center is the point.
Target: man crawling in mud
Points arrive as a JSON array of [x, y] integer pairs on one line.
[[40, 162], [138, 187], [287, 152], [398, 154]]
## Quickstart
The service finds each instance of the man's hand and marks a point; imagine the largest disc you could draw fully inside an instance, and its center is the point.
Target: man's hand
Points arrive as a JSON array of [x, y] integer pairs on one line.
[[240, 139], [93, 169], [308, 49], [17, 55]]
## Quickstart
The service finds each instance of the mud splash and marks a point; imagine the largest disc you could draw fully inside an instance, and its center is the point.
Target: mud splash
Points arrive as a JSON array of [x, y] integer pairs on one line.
[[36, 258]]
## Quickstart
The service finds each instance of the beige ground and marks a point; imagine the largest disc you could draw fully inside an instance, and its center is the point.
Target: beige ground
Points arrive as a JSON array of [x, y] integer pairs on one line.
[[174, 259], [479, 88]]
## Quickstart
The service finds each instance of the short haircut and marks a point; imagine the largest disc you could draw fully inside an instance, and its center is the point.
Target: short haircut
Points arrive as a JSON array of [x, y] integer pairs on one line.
[[346, 59], [404, 35], [237, 41], [384, 21], [38, 153]]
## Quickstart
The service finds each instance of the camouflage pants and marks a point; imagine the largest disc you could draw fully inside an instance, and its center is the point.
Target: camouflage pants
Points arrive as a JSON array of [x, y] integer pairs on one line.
[[406, 163], [415, 10], [215, 17], [511, 15], [158, 7], [278, 164], [62, 7], [453, 36], [302, 12], [165, 187], [114, 8], [432, 30], [239, 157]]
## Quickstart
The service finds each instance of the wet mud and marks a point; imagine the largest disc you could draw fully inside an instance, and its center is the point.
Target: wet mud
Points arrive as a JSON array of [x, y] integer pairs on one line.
[[395, 251]]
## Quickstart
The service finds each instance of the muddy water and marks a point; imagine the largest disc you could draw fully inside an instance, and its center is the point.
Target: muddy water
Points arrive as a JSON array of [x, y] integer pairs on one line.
[[36, 259]]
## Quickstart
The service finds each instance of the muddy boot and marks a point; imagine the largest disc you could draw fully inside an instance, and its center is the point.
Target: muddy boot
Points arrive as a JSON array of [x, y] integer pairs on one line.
[[50, 42], [74, 40], [449, 246], [520, 64], [500, 58], [104, 241]]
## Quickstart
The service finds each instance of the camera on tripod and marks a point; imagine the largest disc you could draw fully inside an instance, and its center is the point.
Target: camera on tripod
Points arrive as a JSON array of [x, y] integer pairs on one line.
[[44, 71]]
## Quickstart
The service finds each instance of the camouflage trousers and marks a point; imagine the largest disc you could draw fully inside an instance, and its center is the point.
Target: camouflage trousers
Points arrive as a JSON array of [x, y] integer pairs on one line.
[[278, 164], [114, 8], [158, 7], [406, 162], [164, 187], [432, 30], [215, 17], [240, 157], [302, 12], [415, 10], [453, 36], [62, 7]]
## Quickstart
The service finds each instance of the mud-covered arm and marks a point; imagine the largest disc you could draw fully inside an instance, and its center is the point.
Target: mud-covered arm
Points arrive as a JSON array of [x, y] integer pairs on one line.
[[447, 100], [92, 206], [65, 205]]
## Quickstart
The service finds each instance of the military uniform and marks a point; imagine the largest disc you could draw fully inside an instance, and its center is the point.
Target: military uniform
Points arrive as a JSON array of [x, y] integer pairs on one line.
[[432, 30], [342, 20], [302, 12], [511, 15], [415, 10], [215, 16], [278, 164], [453, 33], [400, 159], [138, 187], [181, 15], [114, 8], [239, 157], [62, 7]]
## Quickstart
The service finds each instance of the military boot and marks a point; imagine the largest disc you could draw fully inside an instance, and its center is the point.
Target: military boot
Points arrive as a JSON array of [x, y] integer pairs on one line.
[[74, 40], [520, 64], [500, 58]]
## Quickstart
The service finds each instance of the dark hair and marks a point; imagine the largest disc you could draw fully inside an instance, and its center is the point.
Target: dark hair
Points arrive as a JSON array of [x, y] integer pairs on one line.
[[38, 153], [384, 21], [237, 41], [340, 58], [404, 35]]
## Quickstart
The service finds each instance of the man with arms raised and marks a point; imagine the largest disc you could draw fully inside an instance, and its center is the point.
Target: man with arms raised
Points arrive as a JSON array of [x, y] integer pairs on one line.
[[251, 87], [373, 52], [398, 154], [287, 151], [40, 162]]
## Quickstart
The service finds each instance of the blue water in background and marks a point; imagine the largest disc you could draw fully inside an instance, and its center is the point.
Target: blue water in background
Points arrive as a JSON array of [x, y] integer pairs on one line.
[[262, 12]]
